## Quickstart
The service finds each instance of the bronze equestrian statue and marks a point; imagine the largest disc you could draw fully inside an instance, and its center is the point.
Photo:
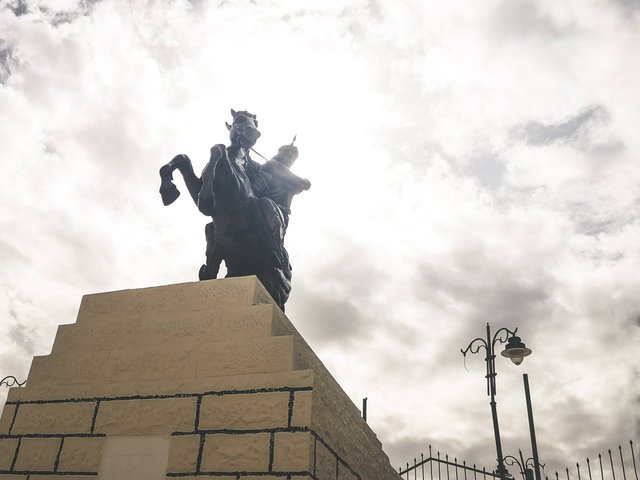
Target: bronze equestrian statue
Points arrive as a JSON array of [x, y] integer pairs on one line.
[[249, 203]]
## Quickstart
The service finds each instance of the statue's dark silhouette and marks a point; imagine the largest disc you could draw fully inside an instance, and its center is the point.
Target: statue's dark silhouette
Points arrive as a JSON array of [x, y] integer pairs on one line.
[[249, 204]]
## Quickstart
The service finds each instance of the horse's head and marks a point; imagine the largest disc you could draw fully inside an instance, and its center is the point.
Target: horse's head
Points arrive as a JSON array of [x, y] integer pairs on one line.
[[243, 130]]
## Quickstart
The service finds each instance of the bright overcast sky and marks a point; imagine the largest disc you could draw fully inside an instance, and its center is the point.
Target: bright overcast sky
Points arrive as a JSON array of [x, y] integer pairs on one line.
[[471, 161]]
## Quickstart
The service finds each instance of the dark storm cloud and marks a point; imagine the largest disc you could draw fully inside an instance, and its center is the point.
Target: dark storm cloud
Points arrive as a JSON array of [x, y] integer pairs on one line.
[[487, 289], [18, 7], [337, 306], [55, 16], [537, 133], [330, 317], [5, 63], [61, 18], [482, 288]]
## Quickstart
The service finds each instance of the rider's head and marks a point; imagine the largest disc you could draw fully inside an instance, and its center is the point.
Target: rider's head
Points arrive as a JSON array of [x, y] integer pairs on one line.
[[287, 155], [244, 129]]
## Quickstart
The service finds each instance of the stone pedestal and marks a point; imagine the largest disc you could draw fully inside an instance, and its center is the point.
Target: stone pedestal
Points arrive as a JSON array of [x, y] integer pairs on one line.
[[207, 380]]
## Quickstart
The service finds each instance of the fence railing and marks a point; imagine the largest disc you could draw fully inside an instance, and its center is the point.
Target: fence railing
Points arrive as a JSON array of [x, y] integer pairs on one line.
[[438, 468], [611, 466], [604, 467]]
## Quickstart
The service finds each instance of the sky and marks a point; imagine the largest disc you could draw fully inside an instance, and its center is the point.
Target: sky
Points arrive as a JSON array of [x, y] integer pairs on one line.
[[471, 163]]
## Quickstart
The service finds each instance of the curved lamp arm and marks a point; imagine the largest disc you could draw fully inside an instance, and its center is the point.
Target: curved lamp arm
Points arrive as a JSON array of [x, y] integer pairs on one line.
[[511, 460], [474, 346], [10, 381], [502, 336]]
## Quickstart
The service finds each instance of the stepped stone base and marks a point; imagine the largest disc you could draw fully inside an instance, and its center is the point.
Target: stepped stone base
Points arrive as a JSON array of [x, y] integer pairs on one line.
[[207, 380]]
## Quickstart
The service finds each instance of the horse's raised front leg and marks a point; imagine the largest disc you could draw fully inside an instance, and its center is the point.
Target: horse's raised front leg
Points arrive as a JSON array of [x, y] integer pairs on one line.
[[206, 195], [168, 190]]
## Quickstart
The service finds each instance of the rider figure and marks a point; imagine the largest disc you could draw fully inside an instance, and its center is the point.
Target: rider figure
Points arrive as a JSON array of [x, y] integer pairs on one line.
[[273, 186], [281, 183]]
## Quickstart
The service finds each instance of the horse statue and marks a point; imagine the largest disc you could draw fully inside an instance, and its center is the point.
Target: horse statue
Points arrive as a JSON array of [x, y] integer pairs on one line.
[[249, 204]]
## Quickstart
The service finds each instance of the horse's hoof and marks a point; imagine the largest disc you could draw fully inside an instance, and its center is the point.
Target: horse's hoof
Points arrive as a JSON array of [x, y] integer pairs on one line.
[[169, 193], [205, 274]]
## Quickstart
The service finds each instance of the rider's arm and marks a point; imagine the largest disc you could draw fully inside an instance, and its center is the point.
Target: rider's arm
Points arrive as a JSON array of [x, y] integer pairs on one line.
[[282, 174]]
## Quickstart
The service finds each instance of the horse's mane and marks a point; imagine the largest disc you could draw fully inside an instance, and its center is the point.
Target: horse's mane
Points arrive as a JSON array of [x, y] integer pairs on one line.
[[246, 114]]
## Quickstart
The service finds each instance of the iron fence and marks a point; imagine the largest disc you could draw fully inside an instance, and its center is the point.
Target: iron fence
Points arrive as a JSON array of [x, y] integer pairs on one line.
[[614, 465], [604, 467], [443, 469]]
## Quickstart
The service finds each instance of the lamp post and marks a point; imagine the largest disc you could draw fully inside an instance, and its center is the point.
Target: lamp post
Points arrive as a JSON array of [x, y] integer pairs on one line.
[[515, 350]]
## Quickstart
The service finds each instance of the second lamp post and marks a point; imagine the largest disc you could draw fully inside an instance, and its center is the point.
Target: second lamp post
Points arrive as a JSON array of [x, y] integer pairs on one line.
[[514, 350]]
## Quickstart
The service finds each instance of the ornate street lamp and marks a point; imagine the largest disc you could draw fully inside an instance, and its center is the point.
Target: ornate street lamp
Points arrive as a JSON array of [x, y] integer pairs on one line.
[[516, 351]]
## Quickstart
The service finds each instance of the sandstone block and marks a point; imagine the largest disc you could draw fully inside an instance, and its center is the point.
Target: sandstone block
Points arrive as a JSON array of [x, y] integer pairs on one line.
[[292, 452], [183, 453], [187, 328], [169, 362], [230, 453], [81, 454], [54, 418], [7, 418], [296, 378], [134, 458], [194, 296], [7, 452], [77, 369], [274, 354], [10, 476], [166, 363], [37, 454], [325, 464], [244, 411], [146, 417], [344, 473], [301, 409]]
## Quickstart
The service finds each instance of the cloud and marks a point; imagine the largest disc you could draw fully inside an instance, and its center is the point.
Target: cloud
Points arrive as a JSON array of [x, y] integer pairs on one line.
[[18, 7], [528, 19], [5, 67], [537, 133]]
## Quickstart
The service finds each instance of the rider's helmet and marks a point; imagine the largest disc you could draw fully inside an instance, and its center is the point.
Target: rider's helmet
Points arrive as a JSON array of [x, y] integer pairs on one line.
[[287, 155]]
